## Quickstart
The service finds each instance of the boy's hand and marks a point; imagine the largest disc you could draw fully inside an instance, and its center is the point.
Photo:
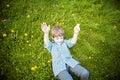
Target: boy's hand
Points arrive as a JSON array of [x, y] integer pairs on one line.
[[77, 29], [45, 28]]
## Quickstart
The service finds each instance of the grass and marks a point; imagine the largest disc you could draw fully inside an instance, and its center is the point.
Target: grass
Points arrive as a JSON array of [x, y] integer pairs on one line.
[[22, 54]]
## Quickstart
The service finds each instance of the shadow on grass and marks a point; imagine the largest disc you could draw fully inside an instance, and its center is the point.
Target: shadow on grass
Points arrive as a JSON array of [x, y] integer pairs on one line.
[[5, 45]]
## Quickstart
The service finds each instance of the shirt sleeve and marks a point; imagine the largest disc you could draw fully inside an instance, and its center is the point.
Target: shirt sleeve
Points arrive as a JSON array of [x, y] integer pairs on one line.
[[49, 46], [68, 43]]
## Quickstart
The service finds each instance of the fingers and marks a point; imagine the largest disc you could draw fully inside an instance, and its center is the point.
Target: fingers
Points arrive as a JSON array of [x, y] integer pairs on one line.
[[77, 28], [78, 25], [44, 24], [49, 26], [45, 27]]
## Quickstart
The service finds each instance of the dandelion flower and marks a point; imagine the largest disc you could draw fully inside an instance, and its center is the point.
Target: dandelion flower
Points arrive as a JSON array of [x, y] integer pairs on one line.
[[29, 44], [57, 22], [89, 57], [28, 16], [27, 41], [50, 60], [25, 34], [8, 5], [32, 36], [73, 14], [4, 35], [62, 22], [62, 6], [33, 68], [12, 31]]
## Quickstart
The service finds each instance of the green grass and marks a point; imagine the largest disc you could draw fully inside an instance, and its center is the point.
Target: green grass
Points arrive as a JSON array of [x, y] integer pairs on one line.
[[22, 53]]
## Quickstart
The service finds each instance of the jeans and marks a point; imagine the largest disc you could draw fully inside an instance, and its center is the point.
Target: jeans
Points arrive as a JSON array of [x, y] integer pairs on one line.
[[78, 70]]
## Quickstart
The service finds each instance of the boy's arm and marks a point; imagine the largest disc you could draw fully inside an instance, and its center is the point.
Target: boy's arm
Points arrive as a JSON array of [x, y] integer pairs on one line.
[[46, 30], [76, 32], [46, 38]]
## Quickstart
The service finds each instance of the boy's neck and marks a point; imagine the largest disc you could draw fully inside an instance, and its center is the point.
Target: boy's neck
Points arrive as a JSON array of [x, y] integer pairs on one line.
[[59, 43]]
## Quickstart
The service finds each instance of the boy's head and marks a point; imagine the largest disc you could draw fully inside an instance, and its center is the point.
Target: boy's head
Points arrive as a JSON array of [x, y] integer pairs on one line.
[[57, 31], [57, 34]]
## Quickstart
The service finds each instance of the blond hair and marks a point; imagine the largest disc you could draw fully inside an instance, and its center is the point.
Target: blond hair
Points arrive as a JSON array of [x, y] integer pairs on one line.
[[57, 31]]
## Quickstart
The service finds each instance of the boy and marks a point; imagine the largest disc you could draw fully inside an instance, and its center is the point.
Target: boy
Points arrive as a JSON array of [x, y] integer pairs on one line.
[[62, 62]]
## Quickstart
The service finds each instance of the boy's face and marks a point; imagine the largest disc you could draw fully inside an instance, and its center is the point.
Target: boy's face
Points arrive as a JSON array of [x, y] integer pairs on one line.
[[58, 39]]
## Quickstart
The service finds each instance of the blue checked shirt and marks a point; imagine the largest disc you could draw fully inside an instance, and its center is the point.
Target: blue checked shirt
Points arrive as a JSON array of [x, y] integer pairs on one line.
[[61, 56]]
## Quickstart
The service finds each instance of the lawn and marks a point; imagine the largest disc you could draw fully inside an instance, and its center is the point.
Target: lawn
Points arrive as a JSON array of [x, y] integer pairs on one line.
[[22, 52]]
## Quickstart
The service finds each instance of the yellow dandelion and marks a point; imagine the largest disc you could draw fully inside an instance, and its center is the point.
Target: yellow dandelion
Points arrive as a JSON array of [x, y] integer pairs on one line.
[[27, 41], [73, 14], [57, 22], [89, 57], [29, 44], [62, 22], [33, 68], [4, 35], [31, 36], [50, 60], [25, 34], [62, 6], [12, 30], [28, 16], [8, 5]]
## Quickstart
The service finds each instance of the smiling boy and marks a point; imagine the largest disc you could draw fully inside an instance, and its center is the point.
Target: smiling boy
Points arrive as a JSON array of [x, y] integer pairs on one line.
[[62, 62]]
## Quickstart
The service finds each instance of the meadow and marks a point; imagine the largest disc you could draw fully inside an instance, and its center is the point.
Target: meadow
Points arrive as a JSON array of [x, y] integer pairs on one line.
[[22, 52]]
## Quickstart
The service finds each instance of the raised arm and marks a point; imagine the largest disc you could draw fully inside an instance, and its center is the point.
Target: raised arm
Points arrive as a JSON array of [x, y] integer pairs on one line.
[[46, 30], [76, 32]]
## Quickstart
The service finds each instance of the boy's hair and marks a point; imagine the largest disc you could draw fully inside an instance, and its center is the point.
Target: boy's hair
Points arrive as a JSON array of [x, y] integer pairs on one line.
[[57, 31]]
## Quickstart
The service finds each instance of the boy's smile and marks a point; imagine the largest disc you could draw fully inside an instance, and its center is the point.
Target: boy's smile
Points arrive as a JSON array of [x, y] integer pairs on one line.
[[58, 39]]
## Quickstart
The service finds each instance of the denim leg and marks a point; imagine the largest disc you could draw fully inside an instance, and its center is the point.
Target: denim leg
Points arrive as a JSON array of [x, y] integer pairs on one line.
[[64, 75], [80, 72]]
